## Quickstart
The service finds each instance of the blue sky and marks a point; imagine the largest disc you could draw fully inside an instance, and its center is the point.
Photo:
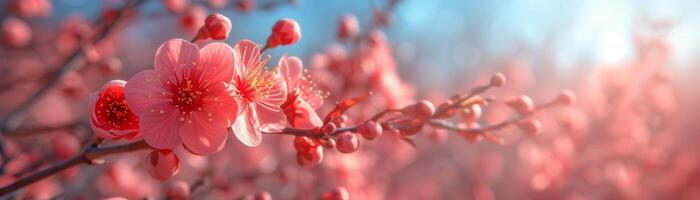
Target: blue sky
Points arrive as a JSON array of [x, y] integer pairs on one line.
[[442, 33]]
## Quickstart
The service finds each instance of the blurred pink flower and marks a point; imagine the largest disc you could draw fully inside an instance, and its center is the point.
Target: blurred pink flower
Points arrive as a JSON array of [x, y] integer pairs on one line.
[[303, 98], [110, 116], [15, 33], [259, 92], [31, 8], [184, 99]]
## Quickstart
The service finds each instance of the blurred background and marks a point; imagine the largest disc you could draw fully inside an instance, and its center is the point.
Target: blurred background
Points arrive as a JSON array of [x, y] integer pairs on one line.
[[631, 134]]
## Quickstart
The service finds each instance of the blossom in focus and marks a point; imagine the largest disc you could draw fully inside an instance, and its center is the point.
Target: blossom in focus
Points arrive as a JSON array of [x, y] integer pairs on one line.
[[259, 93], [302, 98], [110, 116], [184, 99]]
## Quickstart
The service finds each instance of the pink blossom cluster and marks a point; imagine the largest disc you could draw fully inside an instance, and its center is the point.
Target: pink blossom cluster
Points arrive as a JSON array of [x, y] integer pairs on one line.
[[91, 110]]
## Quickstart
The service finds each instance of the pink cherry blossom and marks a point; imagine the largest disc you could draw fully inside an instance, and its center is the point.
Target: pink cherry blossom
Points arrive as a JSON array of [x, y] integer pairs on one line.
[[303, 97], [184, 99], [110, 116], [259, 92]]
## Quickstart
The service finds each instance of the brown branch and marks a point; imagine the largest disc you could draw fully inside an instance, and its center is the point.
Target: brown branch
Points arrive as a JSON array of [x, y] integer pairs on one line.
[[444, 124], [88, 156]]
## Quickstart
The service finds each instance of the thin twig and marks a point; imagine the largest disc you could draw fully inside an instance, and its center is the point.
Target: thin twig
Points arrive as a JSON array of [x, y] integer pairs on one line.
[[89, 155]]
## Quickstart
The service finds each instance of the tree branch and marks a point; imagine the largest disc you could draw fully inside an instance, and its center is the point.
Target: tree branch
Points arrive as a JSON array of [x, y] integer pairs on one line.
[[86, 157]]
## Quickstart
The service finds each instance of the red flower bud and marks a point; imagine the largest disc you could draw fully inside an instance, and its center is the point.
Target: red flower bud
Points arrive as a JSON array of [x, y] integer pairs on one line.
[[347, 142], [15, 33], [530, 126], [302, 143], [193, 18], [348, 27], [246, 5], [179, 190], [285, 32], [264, 195], [175, 6], [498, 80], [370, 130], [422, 110], [163, 164], [338, 193], [328, 128], [472, 113], [216, 26], [311, 157], [522, 104], [566, 97]]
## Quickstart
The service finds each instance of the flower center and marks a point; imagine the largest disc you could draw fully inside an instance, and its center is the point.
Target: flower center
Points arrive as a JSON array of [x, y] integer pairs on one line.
[[116, 111], [188, 95], [255, 86], [112, 110]]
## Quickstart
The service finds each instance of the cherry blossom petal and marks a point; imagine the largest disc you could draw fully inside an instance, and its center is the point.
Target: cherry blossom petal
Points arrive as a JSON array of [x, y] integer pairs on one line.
[[247, 57], [159, 125], [204, 132], [307, 117], [221, 101], [245, 128], [217, 62], [144, 90], [290, 70], [270, 117], [173, 56], [277, 94]]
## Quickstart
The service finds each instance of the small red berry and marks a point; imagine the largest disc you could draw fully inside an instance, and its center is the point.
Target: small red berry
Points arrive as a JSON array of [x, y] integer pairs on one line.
[[285, 32], [370, 130], [347, 142]]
